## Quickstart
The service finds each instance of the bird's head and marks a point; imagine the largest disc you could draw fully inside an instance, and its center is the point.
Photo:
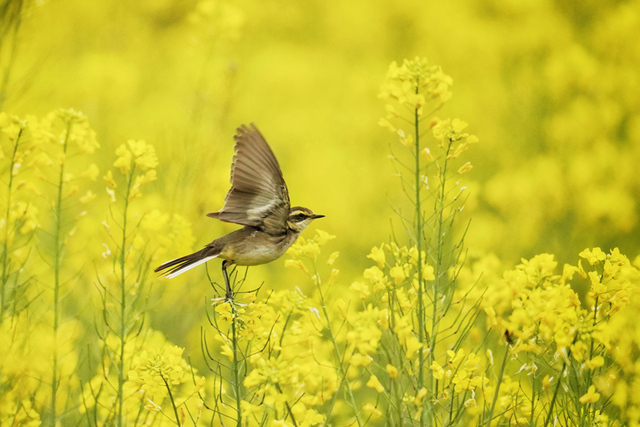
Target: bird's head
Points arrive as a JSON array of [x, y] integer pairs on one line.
[[299, 218]]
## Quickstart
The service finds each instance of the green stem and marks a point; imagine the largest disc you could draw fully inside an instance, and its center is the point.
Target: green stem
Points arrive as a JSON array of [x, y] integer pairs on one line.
[[497, 392], [421, 290], [533, 397], [173, 403], [57, 266], [236, 366], [5, 243], [341, 369], [555, 395], [289, 411], [123, 295]]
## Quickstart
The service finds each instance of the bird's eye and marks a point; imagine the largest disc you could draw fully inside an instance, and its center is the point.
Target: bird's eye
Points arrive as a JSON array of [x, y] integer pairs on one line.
[[299, 217]]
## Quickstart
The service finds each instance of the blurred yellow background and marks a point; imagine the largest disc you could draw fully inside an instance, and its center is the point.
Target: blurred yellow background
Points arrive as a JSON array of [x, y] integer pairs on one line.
[[550, 88]]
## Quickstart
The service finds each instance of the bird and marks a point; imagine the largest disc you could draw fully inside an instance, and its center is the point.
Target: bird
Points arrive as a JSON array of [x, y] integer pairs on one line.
[[259, 201]]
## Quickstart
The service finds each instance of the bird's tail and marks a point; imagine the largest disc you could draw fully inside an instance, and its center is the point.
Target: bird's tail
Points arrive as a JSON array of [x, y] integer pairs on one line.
[[178, 266]]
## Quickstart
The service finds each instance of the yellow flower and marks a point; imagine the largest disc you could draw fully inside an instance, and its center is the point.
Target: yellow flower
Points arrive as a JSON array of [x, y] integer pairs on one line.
[[144, 154], [438, 371], [295, 263], [413, 345], [138, 148], [426, 153], [413, 82], [148, 177], [322, 237], [333, 257], [465, 168], [428, 273], [89, 196], [374, 275], [406, 140], [420, 396], [135, 192], [472, 362], [224, 311], [108, 178], [375, 384], [594, 363], [447, 131], [371, 409], [91, 173], [359, 359], [123, 162], [491, 316], [563, 339], [11, 126], [311, 249], [594, 255], [377, 254], [387, 125], [392, 371], [590, 396], [398, 275], [455, 357], [462, 381]]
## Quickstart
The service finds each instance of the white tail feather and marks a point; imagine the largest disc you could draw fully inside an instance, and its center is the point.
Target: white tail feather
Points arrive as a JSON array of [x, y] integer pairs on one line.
[[189, 267]]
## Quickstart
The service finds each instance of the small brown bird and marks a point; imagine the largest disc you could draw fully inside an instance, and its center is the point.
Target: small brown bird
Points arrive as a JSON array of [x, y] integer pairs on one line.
[[258, 200]]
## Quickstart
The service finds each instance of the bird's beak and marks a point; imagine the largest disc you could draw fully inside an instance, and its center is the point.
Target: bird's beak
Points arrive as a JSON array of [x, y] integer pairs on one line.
[[316, 216]]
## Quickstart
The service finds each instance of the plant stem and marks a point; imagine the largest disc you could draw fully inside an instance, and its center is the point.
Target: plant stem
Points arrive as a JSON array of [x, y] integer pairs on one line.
[[123, 295], [236, 367], [555, 394], [5, 243], [57, 264], [421, 290], [173, 403], [497, 392], [336, 350]]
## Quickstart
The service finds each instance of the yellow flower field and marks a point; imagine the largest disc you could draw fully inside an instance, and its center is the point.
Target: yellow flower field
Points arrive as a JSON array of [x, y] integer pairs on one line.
[[478, 264]]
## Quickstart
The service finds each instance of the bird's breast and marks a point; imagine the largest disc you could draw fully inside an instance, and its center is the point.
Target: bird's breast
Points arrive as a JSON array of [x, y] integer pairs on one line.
[[257, 247]]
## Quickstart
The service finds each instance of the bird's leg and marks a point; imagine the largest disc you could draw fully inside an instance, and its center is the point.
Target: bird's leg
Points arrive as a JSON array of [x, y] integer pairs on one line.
[[225, 263]]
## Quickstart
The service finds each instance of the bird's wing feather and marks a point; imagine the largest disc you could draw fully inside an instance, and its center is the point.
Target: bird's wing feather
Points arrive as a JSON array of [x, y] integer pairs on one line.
[[258, 193]]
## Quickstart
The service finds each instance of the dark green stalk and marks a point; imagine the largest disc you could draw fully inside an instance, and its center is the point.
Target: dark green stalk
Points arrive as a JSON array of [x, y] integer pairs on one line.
[[57, 264], [173, 403]]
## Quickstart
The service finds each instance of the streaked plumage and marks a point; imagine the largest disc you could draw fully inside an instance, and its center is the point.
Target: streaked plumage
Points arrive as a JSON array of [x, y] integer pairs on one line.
[[258, 200]]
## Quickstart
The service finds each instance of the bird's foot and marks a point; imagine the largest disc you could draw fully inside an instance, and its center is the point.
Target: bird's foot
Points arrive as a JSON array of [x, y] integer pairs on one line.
[[229, 294]]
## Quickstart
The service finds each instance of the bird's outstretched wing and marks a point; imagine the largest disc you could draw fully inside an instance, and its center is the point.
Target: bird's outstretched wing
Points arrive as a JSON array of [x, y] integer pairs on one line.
[[258, 194]]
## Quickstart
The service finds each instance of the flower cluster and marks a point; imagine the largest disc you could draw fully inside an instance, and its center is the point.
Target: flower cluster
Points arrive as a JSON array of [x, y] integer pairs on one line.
[[25, 361], [285, 379], [411, 85], [569, 350], [157, 380], [19, 211], [45, 150], [309, 248], [137, 162]]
